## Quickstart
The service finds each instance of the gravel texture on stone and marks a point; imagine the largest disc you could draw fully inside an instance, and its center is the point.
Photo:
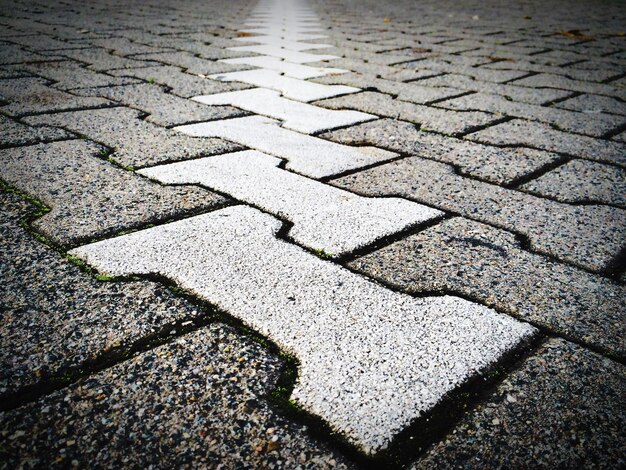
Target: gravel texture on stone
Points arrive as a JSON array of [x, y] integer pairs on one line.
[[542, 136], [164, 109], [304, 154], [563, 408], [135, 142], [14, 54], [191, 63], [33, 95], [493, 164], [297, 116], [56, 317], [588, 236], [362, 368], [102, 60], [582, 181], [15, 133], [480, 262], [564, 83], [198, 401], [593, 105], [428, 119], [90, 197], [325, 218]]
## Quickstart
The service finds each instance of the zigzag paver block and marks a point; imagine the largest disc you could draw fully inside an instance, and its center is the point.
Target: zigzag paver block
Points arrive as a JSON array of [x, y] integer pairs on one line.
[[289, 69], [325, 218], [367, 355], [280, 52]]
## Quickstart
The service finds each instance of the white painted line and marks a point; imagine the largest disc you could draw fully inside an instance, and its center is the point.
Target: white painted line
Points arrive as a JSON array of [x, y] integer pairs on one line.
[[299, 71], [282, 53]]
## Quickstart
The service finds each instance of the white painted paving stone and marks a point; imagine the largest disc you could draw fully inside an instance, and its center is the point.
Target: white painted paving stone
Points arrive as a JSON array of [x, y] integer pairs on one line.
[[289, 69], [295, 115], [305, 154], [277, 41], [282, 53], [292, 88], [371, 360], [324, 217]]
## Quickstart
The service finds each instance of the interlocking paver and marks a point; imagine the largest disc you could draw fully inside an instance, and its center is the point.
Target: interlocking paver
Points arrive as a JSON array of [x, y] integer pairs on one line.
[[14, 54], [489, 265], [15, 133], [295, 115], [564, 405], [542, 136], [564, 83], [135, 142], [431, 119], [304, 154], [588, 236], [593, 105], [101, 60], [32, 95], [582, 181], [501, 165], [189, 62], [369, 365], [325, 218], [289, 69], [164, 108], [90, 197]]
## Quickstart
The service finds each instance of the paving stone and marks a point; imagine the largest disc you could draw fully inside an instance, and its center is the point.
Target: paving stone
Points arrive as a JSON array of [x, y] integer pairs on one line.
[[429, 119], [56, 318], [564, 83], [136, 143], [101, 60], [460, 256], [500, 165], [191, 63], [305, 154], [164, 108], [277, 41], [68, 75], [289, 69], [374, 70], [32, 95], [414, 93], [44, 42], [570, 121], [562, 408], [295, 57], [126, 47], [325, 218], [295, 115], [15, 133], [88, 196], [14, 54], [369, 365], [180, 83], [482, 74], [542, 136], [516, 93], [560, 75], [587, 236], [582, 181], [594, 104], [291, 88]]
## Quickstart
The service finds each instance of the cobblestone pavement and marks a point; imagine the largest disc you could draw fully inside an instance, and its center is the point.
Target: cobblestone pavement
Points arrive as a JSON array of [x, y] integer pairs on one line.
[[313, 234]]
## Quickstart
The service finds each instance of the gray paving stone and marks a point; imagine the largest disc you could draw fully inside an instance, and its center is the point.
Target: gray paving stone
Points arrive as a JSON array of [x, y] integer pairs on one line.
[[587, 236], [429, 119], [180, 83], [297, 116], [325, 218], [307, 155], [494, 164], [191, 63], [480, 262], [68, 75], [136, 143], [564, 83], [90, 197], [560, 75], [44, 42], [296, 57], [56, 318], [594, 104], [32, 95], [126, 47], [582, 181], [354, 339], [570, 121], [289, 69], [198, 401], [496, 76], [15, 133], [516, 93], [542, 136], [562, 408], [101, 60], [374, 70], [163, 108], [14, 54]]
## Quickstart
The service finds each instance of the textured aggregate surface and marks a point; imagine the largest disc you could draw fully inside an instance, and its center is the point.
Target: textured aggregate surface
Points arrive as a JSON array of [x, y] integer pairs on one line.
[[489, 138]]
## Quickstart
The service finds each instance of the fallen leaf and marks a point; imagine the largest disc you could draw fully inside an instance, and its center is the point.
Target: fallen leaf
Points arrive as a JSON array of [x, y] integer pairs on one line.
[[243, 34], [575, 34]]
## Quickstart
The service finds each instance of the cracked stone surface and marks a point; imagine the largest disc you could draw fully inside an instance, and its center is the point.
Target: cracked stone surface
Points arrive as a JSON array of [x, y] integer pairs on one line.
[[369, 366], [325, 218], [99, 199], [305, 154]]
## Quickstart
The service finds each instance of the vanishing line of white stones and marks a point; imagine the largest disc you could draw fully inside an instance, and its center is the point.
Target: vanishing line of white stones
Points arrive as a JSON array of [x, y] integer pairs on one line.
[[371, 360]]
